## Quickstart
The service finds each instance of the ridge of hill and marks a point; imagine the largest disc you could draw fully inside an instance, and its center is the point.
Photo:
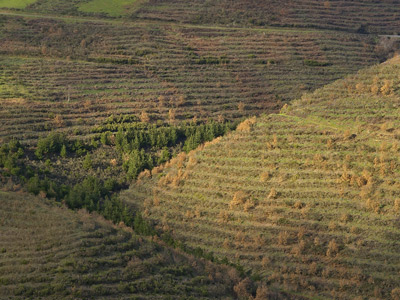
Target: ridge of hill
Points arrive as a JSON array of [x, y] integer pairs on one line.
[[49, 252], [308, 199]]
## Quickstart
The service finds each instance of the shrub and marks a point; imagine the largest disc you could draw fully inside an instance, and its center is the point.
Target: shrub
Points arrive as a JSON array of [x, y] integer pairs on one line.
[[141, 226], [244, 289], [34, 185], [246, 125], [314, 63], [333, 248], [86, 194], [238, 198], [396, 294], [264, 176], [63, 152], [87, 162], [262, 293], [283, 238], [248, 205], [273, 194], [144, 117], [387, 89], [397, 205], [53, 143]]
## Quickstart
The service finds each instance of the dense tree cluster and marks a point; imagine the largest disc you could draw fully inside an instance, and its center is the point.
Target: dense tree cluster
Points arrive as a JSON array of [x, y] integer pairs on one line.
[[148, 145]]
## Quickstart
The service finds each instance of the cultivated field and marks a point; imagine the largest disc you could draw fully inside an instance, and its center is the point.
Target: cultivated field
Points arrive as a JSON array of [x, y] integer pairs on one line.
[[308, 199]]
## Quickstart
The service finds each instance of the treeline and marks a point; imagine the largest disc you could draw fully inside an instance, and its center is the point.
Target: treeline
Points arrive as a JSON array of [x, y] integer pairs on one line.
[[138, 135], [148, 145]]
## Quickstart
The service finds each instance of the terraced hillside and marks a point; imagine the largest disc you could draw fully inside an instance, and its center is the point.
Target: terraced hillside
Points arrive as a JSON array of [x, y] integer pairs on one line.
[[308, 199], [48, 252], [71, 75], [359, 15]]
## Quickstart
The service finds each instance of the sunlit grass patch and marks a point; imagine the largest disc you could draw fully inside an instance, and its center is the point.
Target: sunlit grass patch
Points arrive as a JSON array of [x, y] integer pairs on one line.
[[15, 3], [113, 8]]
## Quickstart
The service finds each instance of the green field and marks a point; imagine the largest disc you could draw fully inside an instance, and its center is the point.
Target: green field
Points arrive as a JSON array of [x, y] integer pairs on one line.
[[15, 3], [110, 7]]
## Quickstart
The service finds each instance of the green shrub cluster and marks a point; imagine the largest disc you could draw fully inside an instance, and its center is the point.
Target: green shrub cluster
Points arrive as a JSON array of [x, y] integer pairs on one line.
[[137, 136], [53, 143], [10, 153], [151, 137], [314, 63], [196, 135], [58, 143], [137, 161], [210, 60], [120, 119], [50, 188], [113, 60]]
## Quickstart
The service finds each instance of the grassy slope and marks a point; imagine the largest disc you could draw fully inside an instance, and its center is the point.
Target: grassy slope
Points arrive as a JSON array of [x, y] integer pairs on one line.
[[127, 68], [112, 8], [15, 3], [53, 253], [308, 199]]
